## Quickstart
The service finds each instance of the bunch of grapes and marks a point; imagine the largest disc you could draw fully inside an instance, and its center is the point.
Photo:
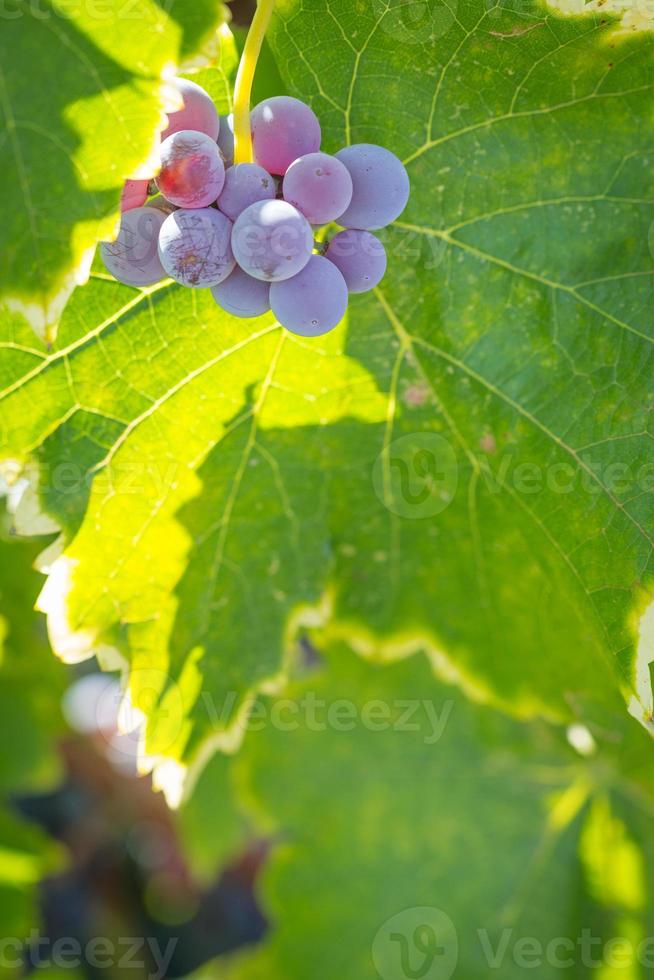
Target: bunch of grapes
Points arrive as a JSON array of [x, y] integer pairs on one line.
[[247, 230]]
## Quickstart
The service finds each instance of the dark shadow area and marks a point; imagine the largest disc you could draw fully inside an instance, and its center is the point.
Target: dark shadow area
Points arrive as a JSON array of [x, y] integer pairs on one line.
[[51, 184]]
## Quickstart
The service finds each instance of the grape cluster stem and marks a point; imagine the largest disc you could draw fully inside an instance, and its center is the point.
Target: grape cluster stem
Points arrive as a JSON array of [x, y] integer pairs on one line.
[[244, 77]]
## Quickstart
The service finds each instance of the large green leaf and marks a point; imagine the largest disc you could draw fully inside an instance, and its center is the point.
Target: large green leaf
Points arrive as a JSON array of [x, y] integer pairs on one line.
[[440, 472], [417, 835], [521, 313], [82, 91]]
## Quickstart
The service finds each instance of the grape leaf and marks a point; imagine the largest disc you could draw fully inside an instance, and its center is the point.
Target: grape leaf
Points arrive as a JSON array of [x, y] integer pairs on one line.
[[415, 831], [83, 118], [461, 468], [523, 312]]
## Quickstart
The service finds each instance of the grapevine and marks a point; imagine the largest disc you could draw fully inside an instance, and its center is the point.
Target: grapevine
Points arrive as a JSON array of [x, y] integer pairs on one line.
[[245, 215]]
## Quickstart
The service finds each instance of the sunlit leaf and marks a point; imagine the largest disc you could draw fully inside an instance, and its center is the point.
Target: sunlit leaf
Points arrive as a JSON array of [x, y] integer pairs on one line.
[[461, 468]]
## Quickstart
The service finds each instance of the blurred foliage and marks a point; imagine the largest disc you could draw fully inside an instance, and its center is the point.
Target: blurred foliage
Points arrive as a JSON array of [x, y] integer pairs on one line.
[[214, 829], [31, 682], [394, 796]]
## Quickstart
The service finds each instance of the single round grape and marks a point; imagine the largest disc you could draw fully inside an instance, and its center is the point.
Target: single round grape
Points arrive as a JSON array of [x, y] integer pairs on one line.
[[360, 256], [283, 129], [192, 171], [245, 184], [272, 240], [134, 195], [319, 186], [132, 259], [226, 139], [313, 301], [194, 247], [242, 295], [380, 186], [198, 113]]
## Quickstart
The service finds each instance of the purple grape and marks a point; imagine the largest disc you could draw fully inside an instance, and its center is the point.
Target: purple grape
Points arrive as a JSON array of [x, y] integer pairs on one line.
[[242, 295], [226, 139], [245, 184], [198, 113], [283, 129], [192, 171], [361, 258], [134, 195], [313, 301], [132, 259], [380, 186], [194, 247], [272, 240], [319, 186]]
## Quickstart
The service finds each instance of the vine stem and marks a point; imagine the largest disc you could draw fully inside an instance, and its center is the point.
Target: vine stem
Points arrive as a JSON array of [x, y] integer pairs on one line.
[[244, 77]]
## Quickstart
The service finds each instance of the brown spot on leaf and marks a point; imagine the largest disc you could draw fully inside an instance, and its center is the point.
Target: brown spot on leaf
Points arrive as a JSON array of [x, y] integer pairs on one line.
[[487, 443], [415, 395], [518, 30]]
